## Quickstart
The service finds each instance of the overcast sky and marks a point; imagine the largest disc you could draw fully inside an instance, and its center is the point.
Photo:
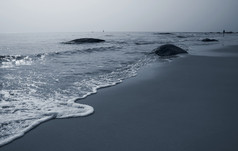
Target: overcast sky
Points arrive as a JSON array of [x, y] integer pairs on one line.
[[120, 15]]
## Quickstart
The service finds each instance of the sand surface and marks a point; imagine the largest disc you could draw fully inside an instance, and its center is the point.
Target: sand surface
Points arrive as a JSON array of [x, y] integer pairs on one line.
[[189, 104]]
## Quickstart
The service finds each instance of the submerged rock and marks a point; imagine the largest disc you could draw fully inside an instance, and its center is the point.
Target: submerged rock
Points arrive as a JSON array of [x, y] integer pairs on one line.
[[163, 33], [209, 40], [229, 32], [84, 40], [181, 36], [169, 50]]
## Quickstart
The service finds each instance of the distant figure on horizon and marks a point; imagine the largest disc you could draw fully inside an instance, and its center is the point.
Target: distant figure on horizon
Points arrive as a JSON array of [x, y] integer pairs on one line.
[[224, 33]]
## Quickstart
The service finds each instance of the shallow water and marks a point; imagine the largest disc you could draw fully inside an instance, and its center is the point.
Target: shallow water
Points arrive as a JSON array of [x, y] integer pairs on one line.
[[40, 78]]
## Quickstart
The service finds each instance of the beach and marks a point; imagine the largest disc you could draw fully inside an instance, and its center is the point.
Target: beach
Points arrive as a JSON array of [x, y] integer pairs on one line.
[[187, 104]]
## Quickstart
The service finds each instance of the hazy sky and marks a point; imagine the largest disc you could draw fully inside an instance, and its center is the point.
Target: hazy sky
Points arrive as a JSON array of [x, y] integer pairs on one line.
[[117, 15]]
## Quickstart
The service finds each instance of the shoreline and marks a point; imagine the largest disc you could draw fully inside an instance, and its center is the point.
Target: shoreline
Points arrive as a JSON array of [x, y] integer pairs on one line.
[[180, 105]]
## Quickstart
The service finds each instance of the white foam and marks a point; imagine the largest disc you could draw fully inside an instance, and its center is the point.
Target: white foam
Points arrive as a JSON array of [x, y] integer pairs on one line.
[[25, 113], [5, 140], [10, 63], [28, 108], [18, 117]]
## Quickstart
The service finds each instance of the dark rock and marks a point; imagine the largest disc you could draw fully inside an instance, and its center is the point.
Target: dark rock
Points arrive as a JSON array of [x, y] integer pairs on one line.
[[215, 32], [163, 33], [181, 36], [229, 32], [169, 50], [84, 40], [209, 40], [143, 43]]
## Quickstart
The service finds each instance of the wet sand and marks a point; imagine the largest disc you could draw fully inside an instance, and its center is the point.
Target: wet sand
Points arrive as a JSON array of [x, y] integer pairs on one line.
[[189, 104]]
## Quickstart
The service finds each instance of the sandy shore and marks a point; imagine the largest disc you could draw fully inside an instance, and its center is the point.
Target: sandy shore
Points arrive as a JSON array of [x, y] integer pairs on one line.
[[189, 104]]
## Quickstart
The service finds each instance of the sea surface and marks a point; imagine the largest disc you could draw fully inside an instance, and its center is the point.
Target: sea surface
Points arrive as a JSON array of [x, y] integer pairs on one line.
[[41, 78]]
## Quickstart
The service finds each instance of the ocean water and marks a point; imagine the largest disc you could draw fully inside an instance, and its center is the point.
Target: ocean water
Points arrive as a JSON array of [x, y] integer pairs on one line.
[[40, 78]]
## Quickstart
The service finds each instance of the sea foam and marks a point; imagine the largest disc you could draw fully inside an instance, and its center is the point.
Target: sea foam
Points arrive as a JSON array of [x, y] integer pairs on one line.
[[19, 117]]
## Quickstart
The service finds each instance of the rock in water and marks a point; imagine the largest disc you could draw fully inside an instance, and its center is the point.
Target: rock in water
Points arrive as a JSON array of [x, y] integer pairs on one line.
[[209, 40], [181, 36], [229, 32], [84, 40], [163, 33], [169, 50]]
